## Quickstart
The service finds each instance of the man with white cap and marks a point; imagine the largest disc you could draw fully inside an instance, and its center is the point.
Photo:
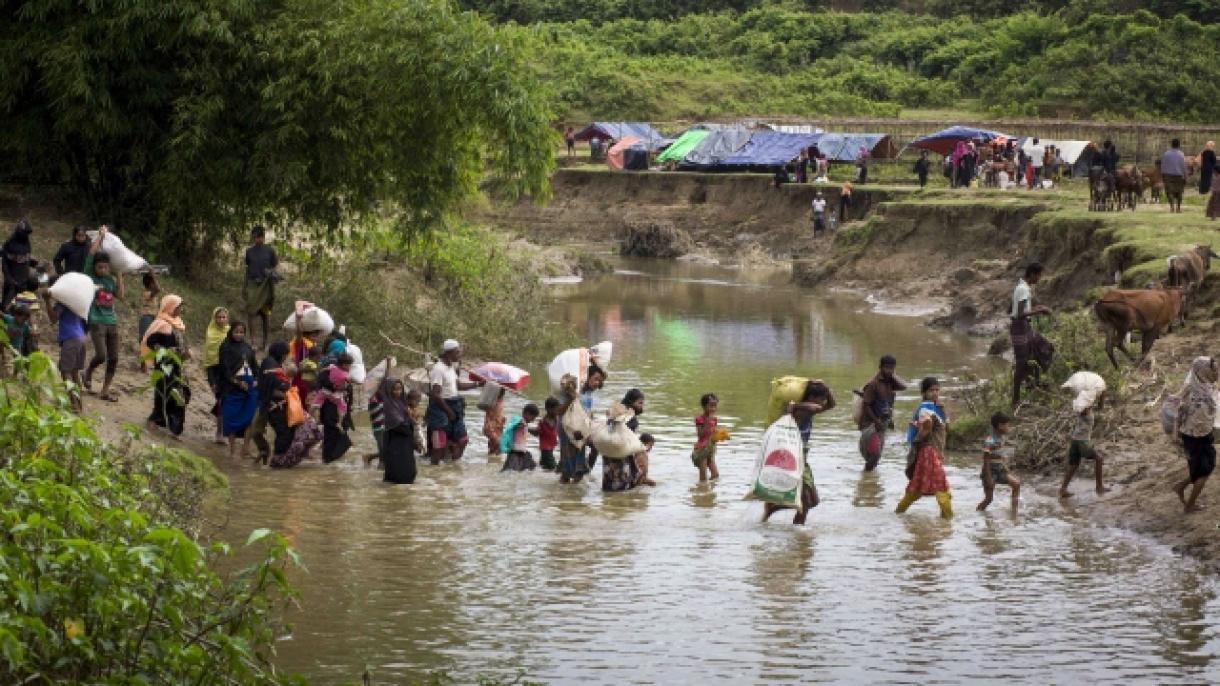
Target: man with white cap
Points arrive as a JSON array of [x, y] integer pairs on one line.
[[446, 408]]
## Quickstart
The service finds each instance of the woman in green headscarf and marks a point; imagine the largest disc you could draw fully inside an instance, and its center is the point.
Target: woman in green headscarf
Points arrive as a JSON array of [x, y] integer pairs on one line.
[[218, 329]]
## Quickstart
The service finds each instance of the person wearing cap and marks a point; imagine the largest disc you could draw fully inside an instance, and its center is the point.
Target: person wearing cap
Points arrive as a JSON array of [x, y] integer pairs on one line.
[[258, 290], [446, 415]]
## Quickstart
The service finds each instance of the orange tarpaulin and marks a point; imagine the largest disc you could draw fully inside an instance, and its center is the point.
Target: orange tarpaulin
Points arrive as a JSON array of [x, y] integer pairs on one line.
[[614, 158]]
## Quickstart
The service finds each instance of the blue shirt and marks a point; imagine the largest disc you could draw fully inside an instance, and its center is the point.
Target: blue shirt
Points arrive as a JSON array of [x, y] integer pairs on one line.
[[71, 327]]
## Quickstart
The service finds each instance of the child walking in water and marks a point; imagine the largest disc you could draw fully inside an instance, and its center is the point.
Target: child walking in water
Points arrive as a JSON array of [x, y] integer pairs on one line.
[[1081, 446], [704, 454], [995, 462], [925, 463], [547, 432]]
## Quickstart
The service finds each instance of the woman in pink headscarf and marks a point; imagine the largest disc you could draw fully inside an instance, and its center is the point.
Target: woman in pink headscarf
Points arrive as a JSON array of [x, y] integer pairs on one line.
[[330, 404]]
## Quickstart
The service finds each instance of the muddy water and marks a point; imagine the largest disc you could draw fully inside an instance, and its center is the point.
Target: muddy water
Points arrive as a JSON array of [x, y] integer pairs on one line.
[[476, 572]]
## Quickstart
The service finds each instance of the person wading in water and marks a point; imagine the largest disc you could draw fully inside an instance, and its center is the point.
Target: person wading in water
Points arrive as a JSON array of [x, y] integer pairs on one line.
[[1026, 343], [877, 411]]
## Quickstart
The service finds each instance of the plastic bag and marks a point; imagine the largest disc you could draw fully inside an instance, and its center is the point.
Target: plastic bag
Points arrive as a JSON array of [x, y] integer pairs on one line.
[[293, 408], [576, 362], [75, 292], [613, 438], [577, 421], [1169, 414], [489, 396], [313, 318], [372, 380], [780, 466], [122, 259], [1087, 386], [784, 390], [857, 406], [358, 373]]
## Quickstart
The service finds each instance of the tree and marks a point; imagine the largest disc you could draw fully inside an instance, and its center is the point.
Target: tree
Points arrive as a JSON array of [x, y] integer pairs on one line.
[[185, 120]]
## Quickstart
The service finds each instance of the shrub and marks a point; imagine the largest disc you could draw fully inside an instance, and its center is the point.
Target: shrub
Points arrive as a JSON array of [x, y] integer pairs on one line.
[[98, 581]]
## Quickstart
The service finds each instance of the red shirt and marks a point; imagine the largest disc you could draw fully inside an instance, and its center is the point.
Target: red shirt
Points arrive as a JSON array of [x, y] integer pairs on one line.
[[705, 434], [548, 435]]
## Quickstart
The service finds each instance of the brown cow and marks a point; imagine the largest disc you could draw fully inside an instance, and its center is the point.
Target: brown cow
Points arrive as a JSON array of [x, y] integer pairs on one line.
[[1186, 271], [1129, 186], [1151, 312]]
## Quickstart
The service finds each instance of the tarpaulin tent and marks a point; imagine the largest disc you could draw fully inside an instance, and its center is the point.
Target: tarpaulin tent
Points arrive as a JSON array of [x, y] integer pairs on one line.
[[617, 130], [1073, 152], [943, 142], [843, 147], [621, 153], [770, 149], [685, 143], [718, 144]]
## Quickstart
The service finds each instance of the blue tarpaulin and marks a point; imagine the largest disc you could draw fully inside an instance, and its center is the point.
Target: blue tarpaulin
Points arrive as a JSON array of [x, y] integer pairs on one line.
[[618, 130], [943, 142], [770, 149], [843, 147]]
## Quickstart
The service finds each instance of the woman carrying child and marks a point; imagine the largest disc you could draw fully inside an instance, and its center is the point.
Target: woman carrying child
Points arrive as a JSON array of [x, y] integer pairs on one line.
[[574, 460], [398, 437], [170, 393], [330, 405], [1196, 421], [925, 465]]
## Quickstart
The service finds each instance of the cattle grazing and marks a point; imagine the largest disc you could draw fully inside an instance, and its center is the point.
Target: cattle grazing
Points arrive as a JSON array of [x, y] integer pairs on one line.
[[1101, 190], [1154, 183], [1187, 271], [1128, 186], [1151, 312]]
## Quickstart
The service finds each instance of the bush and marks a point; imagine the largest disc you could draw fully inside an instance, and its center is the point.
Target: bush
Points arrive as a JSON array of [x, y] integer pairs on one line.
[[100, 584]]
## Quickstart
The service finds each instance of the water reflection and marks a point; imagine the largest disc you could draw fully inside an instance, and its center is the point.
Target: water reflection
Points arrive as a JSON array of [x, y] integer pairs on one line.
[[474, 571]]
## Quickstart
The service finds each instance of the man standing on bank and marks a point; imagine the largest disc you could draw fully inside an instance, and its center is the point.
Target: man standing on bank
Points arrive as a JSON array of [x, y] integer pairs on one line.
[[1026, 342], [258, 290]]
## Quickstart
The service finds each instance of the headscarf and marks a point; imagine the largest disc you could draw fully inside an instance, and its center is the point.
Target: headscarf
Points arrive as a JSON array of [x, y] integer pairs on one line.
[[214, 336], [959, 151], [235, 354], [337, 347], [1211, 145], [166, 321], [926, 408], [1197, 414], [18, 242], [17, 254], [394, 410]]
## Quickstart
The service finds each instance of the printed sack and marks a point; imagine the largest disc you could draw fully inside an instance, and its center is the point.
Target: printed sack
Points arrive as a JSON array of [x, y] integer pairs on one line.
[[779, 466]]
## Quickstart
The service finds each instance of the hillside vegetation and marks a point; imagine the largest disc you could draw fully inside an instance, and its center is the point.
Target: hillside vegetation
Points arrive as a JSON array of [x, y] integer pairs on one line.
[[683, 60]]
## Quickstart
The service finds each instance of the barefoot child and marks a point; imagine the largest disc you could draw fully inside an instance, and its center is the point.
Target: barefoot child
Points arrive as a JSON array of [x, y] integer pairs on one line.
[[1081, 447], [547, 432], [514, 441], [704, 454], [641, 461], [995, 462], [1196, 418]]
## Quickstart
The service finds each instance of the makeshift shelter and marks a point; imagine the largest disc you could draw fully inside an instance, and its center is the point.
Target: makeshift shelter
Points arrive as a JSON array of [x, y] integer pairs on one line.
[[718, 144], [1078, 155], [770, 149], [942, 142], [629, 154], [618, 130], [681, 147], [843, 147]]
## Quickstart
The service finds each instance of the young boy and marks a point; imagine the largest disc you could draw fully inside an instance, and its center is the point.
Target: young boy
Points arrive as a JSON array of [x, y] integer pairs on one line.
[[17, 327], [1081, 448], [513, 441], [73, 344], [995, 462], [641, 461], [547, 432]]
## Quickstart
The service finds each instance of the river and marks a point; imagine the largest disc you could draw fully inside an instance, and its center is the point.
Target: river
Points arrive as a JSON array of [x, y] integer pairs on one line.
[[475, 572]]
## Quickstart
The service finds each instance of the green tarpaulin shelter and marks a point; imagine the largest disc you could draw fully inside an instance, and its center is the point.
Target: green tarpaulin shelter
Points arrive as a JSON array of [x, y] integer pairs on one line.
[[685, 143]]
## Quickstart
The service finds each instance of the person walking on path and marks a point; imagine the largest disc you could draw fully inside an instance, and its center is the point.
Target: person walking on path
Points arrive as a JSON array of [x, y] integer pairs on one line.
[[922, 165], [1026, 343], [877, 411], [1173, 173], [72, 254], [217, 331], [1213, 200], [258, 290], [103, 322], [1207, 167], [16, 260], [1196, 421], [165, 340], [239, 395], [73, 341], [569, 137]]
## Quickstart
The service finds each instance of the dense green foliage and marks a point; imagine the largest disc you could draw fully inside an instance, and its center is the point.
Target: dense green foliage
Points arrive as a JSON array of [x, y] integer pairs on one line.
[[779, 58], [188, 119], [101, 578]]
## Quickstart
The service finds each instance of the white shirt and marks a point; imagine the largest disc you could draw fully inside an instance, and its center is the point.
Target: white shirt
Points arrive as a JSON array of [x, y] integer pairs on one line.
[[819, 205], [1022, 293], [446, 377], [1036, 152]]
